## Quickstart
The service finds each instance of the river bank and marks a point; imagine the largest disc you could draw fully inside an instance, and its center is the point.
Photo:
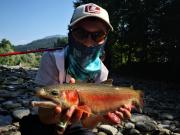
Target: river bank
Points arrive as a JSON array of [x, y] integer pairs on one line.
[[160, 115]]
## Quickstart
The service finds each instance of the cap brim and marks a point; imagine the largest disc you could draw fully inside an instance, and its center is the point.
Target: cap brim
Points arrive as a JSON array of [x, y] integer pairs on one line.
[[81, 18]]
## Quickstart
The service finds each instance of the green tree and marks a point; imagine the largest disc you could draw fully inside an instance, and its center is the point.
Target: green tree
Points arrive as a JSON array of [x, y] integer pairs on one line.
[[61, 42], [145, 31], [5, 47], [25, 60]]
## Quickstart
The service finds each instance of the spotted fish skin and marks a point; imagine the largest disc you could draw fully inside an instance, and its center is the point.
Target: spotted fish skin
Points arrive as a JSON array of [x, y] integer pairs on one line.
[[101, 98]]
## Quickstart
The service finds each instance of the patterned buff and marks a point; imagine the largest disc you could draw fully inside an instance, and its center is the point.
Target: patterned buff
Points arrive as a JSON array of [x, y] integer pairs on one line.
[[83, 63]]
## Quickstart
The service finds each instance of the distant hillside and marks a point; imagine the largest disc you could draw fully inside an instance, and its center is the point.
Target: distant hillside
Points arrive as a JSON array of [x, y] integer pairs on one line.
[[47, 42]]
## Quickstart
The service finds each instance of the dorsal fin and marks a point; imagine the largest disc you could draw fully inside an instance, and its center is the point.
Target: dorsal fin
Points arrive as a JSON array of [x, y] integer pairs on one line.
[[131, 87], [108, 81]]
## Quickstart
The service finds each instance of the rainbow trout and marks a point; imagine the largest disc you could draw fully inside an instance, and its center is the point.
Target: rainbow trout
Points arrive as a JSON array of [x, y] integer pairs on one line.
[[100, 98]]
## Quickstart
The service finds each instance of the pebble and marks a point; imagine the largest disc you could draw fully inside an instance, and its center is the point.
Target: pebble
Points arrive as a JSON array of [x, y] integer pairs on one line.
[[166, 122], [177, 130], [133, 132], [145, 126], [101, 133], [11, 105], [139, 117], [7, 129], [119, 133], [110, 130], [160, 115], [164, 131], [15, 133], [20, 113], [5, 120], [129, 125], [166, 116]]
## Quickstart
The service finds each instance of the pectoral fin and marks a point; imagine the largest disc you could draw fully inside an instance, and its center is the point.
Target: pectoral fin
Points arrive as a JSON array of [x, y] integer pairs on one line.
[[82, 112]]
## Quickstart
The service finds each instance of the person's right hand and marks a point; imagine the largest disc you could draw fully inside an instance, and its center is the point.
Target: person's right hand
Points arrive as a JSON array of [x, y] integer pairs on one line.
[[49, 116], [53, 116]]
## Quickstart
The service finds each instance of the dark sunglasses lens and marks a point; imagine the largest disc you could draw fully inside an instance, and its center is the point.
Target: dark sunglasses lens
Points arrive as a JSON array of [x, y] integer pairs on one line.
[[99, 36], [79, 34], [82, 34]]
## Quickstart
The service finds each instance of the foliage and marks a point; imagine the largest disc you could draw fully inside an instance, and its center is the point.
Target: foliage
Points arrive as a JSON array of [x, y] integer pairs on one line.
[[145, 31], [47, 42], [5, 46], [31, 59], [25, 60], [61, 42]]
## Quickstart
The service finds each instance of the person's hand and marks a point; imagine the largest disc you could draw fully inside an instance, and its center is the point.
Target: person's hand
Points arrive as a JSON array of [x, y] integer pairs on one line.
[[114, 117], [53, 116], [72, 80], [60, 114], [120, 114], [73, 114]]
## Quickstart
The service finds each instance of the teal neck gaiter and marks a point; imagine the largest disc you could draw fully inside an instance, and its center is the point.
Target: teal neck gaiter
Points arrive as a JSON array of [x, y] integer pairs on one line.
[[83, 63]]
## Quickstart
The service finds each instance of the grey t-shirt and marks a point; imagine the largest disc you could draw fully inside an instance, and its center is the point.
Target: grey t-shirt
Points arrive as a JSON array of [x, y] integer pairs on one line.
[[48, 73]]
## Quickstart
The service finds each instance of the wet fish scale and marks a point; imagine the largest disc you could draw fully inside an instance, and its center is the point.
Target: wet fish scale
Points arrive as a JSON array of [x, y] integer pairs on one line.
[[100, 98], [91, 99]]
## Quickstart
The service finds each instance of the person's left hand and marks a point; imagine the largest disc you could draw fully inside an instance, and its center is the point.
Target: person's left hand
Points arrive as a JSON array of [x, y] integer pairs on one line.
[[120, 114], [74, 113]]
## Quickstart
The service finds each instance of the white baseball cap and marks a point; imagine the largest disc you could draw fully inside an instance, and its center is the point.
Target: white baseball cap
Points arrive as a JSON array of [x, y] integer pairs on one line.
[[90, 10]]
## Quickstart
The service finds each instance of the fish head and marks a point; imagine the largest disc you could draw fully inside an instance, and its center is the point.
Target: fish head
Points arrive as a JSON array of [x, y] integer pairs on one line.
[[62, 97]]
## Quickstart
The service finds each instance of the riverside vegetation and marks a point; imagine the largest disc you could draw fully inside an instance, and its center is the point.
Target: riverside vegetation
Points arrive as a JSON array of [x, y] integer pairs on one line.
[[30, 59]]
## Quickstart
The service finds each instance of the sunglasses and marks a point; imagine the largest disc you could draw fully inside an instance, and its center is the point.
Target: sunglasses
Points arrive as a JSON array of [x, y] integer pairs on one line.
[[82, 34]]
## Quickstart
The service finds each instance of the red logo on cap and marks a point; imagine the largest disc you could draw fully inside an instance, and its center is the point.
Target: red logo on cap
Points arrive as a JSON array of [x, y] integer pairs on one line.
[[92, 9]]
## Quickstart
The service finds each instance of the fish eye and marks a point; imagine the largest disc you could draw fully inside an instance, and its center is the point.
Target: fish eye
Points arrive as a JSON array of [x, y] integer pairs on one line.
[[54, 92]]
